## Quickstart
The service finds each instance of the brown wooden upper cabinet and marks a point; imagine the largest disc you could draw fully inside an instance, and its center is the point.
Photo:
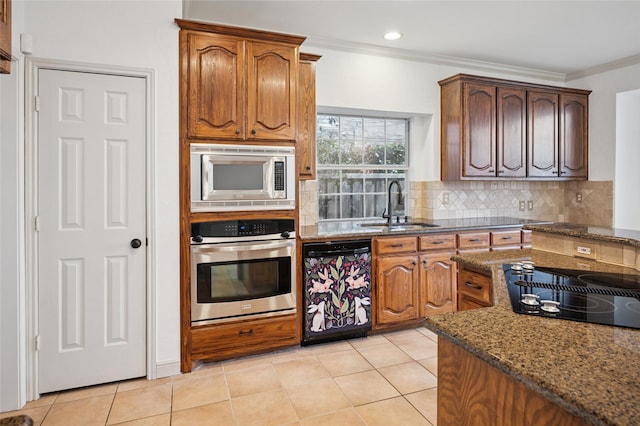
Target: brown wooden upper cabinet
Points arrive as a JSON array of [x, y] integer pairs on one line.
[[493, 128], [241, 83], [5, 36], [306, 139]]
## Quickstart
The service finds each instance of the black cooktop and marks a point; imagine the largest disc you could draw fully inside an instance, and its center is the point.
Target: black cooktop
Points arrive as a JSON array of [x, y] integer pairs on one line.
[[596, 297]]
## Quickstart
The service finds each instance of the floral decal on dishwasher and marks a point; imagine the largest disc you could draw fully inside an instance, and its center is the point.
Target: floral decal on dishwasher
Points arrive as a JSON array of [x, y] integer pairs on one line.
[[337, 292]]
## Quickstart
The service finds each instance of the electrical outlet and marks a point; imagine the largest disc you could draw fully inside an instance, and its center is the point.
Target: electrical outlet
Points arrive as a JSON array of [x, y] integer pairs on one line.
[[445, 198], [521, 206], [530, 204], [578, 197]]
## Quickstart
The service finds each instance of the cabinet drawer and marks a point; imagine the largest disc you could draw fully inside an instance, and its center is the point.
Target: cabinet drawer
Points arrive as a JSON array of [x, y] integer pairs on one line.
[[475, 285], [437, 242], [242, 338], [465, 303], [395, 245], [505, 238], [473, 240]]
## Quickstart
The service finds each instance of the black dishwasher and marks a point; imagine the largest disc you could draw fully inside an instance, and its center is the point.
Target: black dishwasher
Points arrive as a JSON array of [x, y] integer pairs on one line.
[[337, 290]]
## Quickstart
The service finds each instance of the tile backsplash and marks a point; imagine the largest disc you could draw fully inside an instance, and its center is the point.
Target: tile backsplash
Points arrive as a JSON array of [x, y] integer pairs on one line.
[[585, 202]]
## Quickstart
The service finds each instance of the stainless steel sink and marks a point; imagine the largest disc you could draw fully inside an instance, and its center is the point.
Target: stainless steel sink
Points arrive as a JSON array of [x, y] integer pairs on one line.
[[399, 226]]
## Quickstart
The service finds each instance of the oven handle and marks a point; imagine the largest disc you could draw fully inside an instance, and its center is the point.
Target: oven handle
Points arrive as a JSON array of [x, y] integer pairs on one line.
[[242, 246]]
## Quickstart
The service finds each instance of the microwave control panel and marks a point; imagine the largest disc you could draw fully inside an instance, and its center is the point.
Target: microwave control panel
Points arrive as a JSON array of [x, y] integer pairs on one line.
[[279, 176]]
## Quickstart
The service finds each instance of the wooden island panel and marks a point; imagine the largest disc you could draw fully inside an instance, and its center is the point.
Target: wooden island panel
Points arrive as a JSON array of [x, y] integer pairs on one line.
[[472, 392]]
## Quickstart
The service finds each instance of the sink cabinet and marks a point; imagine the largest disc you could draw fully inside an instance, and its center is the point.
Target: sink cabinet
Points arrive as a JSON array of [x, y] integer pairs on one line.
[[494, 128], [437, 281], [397, 288], [415, 278]]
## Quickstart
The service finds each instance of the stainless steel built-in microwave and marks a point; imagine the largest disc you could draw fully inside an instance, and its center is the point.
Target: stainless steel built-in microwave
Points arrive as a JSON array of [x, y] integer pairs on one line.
[[242, 177]]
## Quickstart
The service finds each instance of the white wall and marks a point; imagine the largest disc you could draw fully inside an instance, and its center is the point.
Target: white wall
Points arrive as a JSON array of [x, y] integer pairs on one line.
[[603, 145], [627, 175], [12, 299], [602, 116], [364, 81], [132, 34]]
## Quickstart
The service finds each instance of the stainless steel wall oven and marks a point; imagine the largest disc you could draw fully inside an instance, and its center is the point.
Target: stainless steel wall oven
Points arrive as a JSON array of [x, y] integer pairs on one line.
[[242, 268]]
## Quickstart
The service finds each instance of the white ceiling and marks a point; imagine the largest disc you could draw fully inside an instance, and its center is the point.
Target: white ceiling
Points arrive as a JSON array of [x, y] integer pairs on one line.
[[552, 39]]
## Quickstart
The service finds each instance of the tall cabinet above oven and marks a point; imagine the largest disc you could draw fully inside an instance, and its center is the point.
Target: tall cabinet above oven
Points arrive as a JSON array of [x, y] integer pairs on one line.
[[240, 146]]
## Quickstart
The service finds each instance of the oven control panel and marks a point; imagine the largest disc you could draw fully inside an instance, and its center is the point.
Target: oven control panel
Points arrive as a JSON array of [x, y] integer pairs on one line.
[[242, 228], [245, 229]]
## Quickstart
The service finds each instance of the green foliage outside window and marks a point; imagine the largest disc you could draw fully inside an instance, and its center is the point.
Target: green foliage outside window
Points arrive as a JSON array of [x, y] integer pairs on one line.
[[357, 159]]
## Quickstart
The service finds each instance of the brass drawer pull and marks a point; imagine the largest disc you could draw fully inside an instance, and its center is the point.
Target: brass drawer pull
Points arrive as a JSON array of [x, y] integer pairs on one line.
[[476, 286]]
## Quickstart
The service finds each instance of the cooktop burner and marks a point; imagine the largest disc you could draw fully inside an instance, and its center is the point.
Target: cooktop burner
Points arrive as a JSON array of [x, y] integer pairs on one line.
[[596, 297]]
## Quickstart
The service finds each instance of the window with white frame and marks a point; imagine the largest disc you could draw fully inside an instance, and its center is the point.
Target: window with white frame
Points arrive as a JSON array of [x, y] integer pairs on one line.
[[357, 158]]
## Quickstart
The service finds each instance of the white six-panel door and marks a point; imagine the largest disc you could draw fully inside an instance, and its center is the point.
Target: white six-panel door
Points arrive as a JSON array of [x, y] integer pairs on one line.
[[91, 208]]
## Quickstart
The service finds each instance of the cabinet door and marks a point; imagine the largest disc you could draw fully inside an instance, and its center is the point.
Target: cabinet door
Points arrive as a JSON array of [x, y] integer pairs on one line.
[[216, 86], [543, 134], [306, 125], [479, 105], [272, 78], [437, 284], [397, 290], [512, 132], [574, 119]]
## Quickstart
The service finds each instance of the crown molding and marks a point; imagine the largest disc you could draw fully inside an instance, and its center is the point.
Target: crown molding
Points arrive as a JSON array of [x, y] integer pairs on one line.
[[606, 67], [410, 55]]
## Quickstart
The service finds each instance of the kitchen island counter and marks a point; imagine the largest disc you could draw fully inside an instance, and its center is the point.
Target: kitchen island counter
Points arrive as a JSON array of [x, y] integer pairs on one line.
[[601, 233], [589, 370]]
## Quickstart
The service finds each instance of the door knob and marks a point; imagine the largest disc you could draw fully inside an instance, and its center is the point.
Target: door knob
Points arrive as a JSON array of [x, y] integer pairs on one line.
[[136, 243]]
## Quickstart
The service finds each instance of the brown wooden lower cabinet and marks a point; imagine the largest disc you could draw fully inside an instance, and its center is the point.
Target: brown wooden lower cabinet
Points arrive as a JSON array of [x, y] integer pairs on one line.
[[223, 341], [472, 392], [414, 278], [437, 284], [474, 289], [397, 289]]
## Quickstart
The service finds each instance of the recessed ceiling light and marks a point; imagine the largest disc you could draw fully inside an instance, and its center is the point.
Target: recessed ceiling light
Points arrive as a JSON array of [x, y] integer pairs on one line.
[[392, 35]]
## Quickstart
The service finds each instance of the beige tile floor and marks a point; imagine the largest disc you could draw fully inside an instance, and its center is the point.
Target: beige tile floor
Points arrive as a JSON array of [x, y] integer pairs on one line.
[[385, 379]]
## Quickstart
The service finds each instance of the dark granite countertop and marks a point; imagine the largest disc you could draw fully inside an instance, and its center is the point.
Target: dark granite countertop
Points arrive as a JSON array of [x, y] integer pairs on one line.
[[614, 235], [591, 370], [353, 228]]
